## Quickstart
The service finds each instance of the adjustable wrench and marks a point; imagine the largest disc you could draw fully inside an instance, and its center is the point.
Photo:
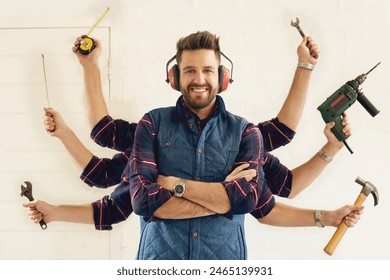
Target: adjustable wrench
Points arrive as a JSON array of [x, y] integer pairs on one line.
[[27, 192]]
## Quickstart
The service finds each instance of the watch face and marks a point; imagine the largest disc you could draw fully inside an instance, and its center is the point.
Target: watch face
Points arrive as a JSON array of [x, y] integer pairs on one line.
[[179, 189]]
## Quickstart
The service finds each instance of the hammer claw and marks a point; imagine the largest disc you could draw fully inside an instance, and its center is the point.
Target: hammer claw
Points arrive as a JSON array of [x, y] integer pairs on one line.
[[368, 188]]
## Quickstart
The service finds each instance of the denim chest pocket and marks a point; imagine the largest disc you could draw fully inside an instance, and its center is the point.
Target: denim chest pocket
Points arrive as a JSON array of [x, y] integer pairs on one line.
[[174, 156]]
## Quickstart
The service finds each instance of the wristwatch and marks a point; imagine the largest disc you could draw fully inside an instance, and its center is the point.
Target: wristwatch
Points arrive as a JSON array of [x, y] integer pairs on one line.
[[180, 188]]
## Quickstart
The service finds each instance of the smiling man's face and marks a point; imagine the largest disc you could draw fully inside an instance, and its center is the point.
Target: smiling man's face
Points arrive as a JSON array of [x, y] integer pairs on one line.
[[199, 79]]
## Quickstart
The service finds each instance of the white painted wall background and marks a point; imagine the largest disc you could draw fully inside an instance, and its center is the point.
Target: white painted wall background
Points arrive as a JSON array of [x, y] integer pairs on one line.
[[352, 35]]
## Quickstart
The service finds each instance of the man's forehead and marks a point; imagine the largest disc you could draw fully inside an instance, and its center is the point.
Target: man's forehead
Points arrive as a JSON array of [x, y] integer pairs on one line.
[[196, 57]]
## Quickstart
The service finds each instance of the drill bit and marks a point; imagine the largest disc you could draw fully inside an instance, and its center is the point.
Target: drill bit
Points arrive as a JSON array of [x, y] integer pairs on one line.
[[44, 74], [361, 78], [372, 68]]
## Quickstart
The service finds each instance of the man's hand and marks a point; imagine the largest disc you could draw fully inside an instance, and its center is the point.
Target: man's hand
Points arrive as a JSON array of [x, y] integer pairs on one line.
[[92, 57], [53, 122], [308, 50], [242, 172], [348, 214], [38, 210], [332, 140]]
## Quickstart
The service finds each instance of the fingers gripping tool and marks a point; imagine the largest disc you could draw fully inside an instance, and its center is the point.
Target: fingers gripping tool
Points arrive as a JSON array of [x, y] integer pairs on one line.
[[27, 192]]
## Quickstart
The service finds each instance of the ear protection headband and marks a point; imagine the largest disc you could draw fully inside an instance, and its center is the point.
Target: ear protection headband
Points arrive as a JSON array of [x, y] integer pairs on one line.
[[224, 78]]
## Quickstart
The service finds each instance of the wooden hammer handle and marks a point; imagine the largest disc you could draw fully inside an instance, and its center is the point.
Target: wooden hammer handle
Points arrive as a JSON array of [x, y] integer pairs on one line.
[[341, 229]]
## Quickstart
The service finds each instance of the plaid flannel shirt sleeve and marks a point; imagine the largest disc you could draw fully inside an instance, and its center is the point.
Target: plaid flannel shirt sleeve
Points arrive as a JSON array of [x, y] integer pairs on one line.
[[244, 195], [278, 176], [105, 172], [112, 209], [115, 134], [275, 134], [146, 195]]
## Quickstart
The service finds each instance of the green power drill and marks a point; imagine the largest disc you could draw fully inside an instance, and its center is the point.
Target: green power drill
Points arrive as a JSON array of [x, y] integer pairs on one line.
[[335, 105]]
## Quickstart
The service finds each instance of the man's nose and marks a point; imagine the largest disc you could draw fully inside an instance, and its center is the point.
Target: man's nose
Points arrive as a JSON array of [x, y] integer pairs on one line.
[[199, 78]]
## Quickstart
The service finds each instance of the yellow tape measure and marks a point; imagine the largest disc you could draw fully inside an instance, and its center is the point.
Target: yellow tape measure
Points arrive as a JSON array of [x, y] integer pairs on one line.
[[88, 44]]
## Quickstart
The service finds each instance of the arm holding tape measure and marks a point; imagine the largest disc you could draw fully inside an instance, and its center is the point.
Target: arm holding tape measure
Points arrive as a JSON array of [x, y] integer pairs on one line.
[[95, 106]]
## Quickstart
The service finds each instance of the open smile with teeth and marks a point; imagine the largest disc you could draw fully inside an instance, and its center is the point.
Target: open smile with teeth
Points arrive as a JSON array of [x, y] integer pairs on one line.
[[199, 90]]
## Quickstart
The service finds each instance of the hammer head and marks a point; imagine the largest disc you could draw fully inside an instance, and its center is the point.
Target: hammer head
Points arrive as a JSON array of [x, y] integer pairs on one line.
[[368, 188], [296, 23]]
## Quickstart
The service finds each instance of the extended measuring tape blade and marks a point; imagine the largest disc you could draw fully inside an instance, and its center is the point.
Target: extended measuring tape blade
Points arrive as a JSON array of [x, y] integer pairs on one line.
[[88, 44]]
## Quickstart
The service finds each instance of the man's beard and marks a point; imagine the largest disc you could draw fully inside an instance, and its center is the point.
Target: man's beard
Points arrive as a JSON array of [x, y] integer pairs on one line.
[[197, 102]]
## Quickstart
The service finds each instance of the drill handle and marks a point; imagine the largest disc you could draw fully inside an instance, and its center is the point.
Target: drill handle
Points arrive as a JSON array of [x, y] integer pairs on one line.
[[370, 108], [337, 129]]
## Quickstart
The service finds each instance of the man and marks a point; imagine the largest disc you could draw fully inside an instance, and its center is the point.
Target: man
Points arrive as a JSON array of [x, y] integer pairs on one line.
[[193, 146], [281, 184], [49, 218]]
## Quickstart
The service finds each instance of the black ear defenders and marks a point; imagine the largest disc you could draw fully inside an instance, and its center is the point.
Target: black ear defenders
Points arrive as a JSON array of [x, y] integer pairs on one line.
[[224, 77]]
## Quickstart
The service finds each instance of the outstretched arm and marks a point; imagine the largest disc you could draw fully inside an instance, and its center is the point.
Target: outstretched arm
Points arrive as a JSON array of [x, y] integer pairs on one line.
[[280, 131], [99, 172], [39, 209], [95, 106], [289, 183], [289, 216], [56, 126], [292, 109], [305, 174]]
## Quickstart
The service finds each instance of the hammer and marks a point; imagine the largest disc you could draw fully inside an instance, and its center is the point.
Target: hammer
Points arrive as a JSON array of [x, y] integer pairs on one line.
[[368, 188]]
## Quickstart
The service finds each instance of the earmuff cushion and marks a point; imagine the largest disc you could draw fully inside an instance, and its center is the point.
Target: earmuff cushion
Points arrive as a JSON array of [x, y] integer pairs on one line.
[[223, 78], [174, 77]]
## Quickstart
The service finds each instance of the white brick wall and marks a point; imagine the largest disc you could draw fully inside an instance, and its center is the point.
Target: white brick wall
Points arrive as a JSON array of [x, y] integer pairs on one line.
[[352, 35]]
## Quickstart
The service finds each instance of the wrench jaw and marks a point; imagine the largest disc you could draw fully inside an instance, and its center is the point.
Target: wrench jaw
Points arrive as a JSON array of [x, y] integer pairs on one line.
[[296, 23], [27, 191]]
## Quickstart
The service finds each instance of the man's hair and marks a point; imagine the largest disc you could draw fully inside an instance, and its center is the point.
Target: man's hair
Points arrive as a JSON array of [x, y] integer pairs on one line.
[[197, 41]]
